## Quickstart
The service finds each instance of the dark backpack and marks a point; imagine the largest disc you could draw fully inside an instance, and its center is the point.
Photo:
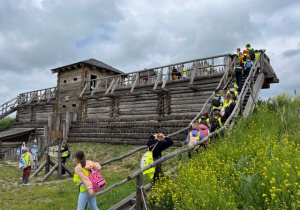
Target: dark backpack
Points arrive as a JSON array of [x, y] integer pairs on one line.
[[215, 124], [252, 54], [233, 95], [216, 101]]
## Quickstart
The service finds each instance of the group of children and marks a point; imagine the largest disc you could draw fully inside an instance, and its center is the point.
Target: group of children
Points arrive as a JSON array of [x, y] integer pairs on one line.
[[244, 62], [221, 110]]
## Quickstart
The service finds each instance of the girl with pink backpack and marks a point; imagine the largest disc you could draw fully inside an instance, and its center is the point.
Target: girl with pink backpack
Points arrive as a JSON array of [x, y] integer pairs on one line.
[[84, 178], [193, 137], [204, 129]]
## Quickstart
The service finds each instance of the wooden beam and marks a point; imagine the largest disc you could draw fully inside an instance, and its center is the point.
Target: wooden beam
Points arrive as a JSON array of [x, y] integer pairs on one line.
[[158, 78], [95, 88], [110, 86], [115, 85], [139, 184], [166, 77], [137, 78]]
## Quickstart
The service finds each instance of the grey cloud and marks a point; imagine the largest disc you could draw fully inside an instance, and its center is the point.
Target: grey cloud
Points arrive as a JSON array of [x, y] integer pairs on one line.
[[291, 53], [40, 38], [178, 33], [132, 35]]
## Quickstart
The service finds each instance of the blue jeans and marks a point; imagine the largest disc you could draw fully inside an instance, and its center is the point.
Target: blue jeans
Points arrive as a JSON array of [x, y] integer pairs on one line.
[[84, 198]]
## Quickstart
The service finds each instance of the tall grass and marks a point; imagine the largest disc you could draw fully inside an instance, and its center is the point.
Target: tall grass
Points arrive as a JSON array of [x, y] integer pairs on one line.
[[6, 122], [255, 167]]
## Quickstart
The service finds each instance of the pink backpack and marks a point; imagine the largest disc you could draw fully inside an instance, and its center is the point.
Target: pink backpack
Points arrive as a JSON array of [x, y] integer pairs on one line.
[[193, 140], [97, 180]]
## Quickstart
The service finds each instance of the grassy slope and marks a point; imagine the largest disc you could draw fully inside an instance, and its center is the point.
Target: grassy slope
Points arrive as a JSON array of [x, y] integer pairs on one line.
[[255, 167], [63, 194]]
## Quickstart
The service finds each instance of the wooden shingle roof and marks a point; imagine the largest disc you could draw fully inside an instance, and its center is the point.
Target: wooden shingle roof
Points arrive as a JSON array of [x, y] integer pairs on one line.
[[15, 132], [91, 61]]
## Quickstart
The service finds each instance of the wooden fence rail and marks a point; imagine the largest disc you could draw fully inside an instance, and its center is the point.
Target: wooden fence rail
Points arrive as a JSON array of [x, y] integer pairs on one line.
[[156, 75]]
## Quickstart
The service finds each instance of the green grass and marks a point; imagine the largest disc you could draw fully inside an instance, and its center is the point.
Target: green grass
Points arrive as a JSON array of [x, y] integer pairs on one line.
[[6, 122], [255, 167], [63, 194]]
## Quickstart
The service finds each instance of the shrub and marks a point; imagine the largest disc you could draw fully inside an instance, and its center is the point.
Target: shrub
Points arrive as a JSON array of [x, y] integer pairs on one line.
[[6, 122]]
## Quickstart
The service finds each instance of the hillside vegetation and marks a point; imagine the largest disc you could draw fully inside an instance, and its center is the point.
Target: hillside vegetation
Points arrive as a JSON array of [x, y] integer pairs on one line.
[[6, 122], [255, 167]]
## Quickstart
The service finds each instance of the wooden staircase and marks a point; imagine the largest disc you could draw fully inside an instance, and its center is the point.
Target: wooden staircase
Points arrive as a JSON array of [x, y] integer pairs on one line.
[[248, 98]]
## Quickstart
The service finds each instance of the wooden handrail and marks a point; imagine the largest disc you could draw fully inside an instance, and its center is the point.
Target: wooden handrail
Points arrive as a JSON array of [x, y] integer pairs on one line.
[[147, 73]]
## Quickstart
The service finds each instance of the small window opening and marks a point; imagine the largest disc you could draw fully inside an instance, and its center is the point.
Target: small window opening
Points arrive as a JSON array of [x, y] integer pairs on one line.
[[75, 79], [73, 105], [63, 106], [93, 82], [65, 81]]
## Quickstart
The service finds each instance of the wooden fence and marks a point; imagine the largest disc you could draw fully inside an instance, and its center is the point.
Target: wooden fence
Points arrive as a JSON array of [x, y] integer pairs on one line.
[[158, 75]]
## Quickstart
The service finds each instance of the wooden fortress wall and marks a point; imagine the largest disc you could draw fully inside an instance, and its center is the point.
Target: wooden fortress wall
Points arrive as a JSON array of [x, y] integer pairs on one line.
[[128, 118], [178, 99]]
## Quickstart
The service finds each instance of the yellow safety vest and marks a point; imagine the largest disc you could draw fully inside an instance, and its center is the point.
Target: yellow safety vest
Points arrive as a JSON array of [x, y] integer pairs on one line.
[[207, 120], [27, 160], [65, 153], [256, 56], [221, 104], [226, 104], [78, 180], [184, 71], [234, 84], [235, 94], [244, 55], [219, 119], [197, 137]]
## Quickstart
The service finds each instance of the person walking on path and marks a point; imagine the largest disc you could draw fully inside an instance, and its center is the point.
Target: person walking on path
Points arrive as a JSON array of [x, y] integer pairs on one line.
[[64, 154], [161, 142], [27, 156], [81, 178]]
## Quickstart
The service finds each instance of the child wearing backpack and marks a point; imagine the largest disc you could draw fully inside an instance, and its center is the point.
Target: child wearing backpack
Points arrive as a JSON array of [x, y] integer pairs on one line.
[[248, 66], [193, 137], [217, 101], [81, 178], [204, 130], [215, 122], [65, 153], [28, 161]]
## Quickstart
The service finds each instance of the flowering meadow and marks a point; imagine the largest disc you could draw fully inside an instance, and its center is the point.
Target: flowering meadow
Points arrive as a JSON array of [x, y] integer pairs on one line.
[[255, 166]]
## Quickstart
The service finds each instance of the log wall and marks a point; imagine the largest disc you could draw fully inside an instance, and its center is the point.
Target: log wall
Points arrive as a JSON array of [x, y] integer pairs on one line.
[[69, 88], [35, 112], [122, 117]]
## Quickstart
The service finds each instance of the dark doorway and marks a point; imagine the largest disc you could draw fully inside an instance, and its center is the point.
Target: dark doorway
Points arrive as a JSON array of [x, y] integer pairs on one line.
[[93, 82]]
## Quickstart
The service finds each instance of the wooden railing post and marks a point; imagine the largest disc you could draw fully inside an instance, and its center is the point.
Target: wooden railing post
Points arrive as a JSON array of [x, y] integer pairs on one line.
[[59, 170], [139, 184], [67, 125], [46, 134]]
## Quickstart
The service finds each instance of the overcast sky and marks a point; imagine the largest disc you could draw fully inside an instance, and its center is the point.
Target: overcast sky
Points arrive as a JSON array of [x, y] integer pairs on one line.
[[39, 35]]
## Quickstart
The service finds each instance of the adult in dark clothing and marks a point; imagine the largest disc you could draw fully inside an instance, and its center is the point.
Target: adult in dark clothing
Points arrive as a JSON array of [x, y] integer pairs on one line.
[[161, 142], [175, 74], [64, 154]]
